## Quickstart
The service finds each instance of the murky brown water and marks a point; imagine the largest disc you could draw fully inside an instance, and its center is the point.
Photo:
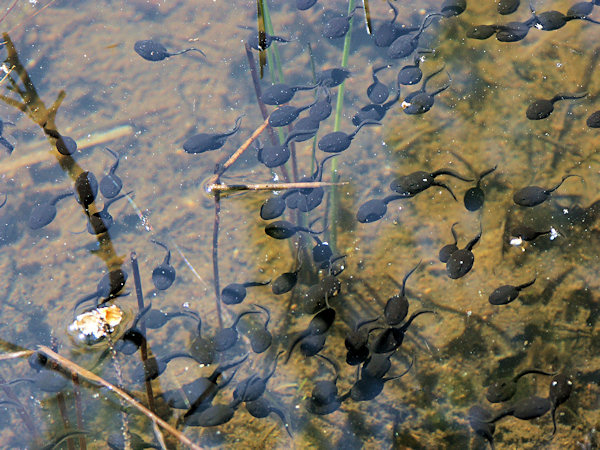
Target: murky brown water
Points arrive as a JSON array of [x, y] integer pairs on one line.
[[152, 108]]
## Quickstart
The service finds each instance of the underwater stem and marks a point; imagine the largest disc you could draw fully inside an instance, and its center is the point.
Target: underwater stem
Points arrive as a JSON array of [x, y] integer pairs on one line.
[[143, 347], [215, 254], [336, 127]]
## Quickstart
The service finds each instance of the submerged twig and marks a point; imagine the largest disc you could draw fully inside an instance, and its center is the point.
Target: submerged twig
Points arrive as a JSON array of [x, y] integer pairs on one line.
[[78, 410], [336, 127], [70, 365], [14, 355], [215, 256], [142, 325]]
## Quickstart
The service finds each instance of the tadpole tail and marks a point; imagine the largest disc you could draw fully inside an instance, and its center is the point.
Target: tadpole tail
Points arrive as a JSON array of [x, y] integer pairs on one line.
[[559, 97], [424, 24], [362, 124], [430, 76], [562, 181], [219, 370], [301, 336], [452, 173], [404, 327], [395, 12], [500, 415], [256, 283], [279, 413], [475, 240], [523, 286], [486, 173], [453, 231], [189, 50], [535, 371], [236, 127], [408, 275], [391, 198], [447, 188]]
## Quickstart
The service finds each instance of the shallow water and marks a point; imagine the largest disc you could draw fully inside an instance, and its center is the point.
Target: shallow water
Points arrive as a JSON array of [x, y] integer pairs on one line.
[[153, 107]]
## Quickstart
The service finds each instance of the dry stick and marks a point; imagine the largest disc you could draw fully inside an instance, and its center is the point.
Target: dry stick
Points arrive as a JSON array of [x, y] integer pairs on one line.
[[143, 347], [233, 158], [96, 379], [14, 355], [222, 187]]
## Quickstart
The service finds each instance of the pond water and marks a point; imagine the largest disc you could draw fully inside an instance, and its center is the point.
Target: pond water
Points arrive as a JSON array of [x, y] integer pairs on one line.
[[146, 110]]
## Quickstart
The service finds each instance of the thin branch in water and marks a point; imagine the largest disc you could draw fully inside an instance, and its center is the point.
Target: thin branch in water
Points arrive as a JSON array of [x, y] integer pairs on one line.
[[70, 365], [215, 256], [233, 158], [77, 392], [8, 11], [142, 324], [31, 16], [7, 74], [14, 355]]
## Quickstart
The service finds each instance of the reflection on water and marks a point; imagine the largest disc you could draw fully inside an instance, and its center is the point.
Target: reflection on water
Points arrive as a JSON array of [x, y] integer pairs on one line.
[[146, 111]]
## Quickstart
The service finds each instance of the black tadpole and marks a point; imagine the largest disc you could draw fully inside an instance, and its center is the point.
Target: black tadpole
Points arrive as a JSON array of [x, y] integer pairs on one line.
[[461, 261], [377, 91], [235, 293], [504, 389], [163, 275], [225, 338], [478, 420], [101, 221], [204, 142], [86, 188], [338, 141], [317, 327], [416, 182], [404, 45], [261, 338], [374, 209], [152, 50], [396, 308], [448, 249], [560, 391], [111, 184], [452, 8], [534, 195], [282, 229], [507, 293], [474, 197], [3, 141], [542, 108], [44, 213]]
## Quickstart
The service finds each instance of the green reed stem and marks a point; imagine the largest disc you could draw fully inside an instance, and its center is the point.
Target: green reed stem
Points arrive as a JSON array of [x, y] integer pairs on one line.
[[272, 51], [336, 127]]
